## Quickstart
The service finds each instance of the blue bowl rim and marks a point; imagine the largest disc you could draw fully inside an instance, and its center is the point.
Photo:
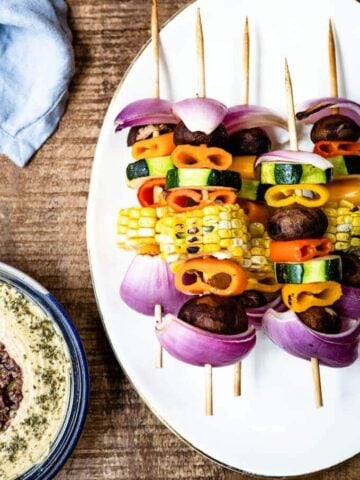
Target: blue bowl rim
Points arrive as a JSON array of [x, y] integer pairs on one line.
[[69, 434]]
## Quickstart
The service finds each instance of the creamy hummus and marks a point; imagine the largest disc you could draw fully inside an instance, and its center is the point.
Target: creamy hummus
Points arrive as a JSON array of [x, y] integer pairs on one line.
[[34, 343]]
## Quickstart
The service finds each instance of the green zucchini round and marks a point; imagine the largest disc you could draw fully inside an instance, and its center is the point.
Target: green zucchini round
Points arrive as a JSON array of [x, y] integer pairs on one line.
[[292, 173], [323, 269], [201, 178]]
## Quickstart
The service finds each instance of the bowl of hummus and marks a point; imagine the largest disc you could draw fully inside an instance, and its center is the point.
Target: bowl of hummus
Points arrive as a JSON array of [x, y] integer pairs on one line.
[[44, 380]]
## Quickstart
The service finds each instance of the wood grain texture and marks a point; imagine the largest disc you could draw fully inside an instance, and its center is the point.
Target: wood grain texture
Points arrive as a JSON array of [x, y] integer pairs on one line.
[[42, 221]]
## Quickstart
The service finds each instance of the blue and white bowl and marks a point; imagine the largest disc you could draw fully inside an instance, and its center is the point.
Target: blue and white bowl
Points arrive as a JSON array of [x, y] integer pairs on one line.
[[73, 423]]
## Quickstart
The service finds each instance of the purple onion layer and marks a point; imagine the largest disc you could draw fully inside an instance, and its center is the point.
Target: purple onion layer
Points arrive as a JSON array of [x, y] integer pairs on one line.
[[198, 347], [287, 331]]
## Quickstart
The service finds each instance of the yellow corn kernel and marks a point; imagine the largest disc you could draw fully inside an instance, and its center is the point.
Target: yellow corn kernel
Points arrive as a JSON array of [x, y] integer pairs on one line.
[[330, 212], [146, 232], [345, 227], [333, 221], [346, 204], [343, 237], [133, 223], [341, 245], [356, 221], [210, 220], [211, 238], [355, 242], [341, 219], [258, 260], [211, 210], [211, 247], [256, 229], [237, 251], [355, 231], [225, 242], [134, 212], [237, 223], [224, 233], [343, 211], [237, 242], [267, 252], [333, 229], [247, 262], [225, 216], [257, 251], [224, 224], [330, 236]]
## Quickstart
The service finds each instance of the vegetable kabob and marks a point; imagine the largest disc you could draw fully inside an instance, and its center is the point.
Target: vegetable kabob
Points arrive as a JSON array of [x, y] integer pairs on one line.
[[335, 133], [150, 137], [310, 276], [205, 238]]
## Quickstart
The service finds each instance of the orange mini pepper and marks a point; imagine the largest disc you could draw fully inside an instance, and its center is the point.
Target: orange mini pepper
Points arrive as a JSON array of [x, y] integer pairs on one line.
[[186, 199], [210, 275], [154, 147], [150, 193], [245, 165], [301, 297], [255, 211], [262, 282], [345, 188], [328, 148], [299, 250], [189, 156]]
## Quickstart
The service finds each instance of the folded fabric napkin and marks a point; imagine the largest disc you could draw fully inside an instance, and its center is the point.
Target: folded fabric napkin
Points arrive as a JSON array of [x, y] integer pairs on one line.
[[36, 66]]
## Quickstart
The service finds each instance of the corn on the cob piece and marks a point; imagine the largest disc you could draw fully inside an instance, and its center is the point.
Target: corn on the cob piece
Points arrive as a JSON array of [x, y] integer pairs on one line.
[[344, 224], [136, 229], [258, 249], [218, 230]]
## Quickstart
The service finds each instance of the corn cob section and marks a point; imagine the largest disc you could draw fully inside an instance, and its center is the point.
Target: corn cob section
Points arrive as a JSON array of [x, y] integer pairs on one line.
[[256, 258], [217, 230], [344, 224], [136, 229]]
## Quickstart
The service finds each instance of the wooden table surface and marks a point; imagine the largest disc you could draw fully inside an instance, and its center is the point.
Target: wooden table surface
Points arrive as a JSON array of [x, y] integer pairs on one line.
[[42, 221]]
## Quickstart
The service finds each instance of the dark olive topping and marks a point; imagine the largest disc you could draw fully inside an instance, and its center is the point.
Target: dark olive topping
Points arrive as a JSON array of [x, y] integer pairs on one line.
[[321, 319], [350, 269], [11, 383], [296, 222], [335, 127], [251, 141], [216, 314], [218, 138], [144, 132], [252, 299]]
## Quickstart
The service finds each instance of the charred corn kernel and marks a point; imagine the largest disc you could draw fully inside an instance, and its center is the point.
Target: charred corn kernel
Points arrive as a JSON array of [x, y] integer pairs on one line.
[[256, 229], [343, 237], [355, 242], [190, 239]]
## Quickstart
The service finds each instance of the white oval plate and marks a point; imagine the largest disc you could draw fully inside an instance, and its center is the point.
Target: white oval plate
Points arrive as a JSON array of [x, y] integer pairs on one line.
[[273, 428]]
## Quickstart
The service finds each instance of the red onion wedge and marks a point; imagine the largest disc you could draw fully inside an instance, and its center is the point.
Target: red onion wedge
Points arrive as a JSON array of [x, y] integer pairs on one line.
[[290, 156], [198, 347], [240, 117], [147, 111], [255, 314], [200, 114], [349, 303], [287, 331], [149, 281], [313, 110]]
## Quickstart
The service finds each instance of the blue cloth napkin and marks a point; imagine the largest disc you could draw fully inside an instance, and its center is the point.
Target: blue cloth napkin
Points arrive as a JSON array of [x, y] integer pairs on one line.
[[36, 66]]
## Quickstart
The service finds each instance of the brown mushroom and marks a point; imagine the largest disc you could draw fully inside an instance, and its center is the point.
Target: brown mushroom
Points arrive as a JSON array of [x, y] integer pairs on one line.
[[252, 299], [321, 319], [296, 222], [218, 138], [144, 132], [216, 314], [350, 268], [251, 141], [335, 127]]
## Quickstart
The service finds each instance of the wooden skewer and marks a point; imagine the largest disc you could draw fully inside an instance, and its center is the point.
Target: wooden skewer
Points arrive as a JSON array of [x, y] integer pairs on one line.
[[334, 88], [294, 146], [317, 382], [156, 94], [155, 44], [246, 96], [246, 63], [200, 55], [208, 390]]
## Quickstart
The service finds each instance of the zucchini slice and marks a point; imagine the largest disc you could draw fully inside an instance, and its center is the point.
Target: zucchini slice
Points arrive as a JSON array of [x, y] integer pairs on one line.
[[345, 165], [253, 190], [293, 173], [323, 269], [137, 172], [202, 178]]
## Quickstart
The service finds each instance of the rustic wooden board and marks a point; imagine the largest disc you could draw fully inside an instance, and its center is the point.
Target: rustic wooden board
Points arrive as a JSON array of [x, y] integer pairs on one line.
[[42, 222]]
